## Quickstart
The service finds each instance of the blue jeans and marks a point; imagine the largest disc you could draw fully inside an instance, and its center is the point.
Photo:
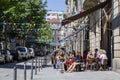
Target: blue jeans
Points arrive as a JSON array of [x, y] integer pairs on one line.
[[58, 64]]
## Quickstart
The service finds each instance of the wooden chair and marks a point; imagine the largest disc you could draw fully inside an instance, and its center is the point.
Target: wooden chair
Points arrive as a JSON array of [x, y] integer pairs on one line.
[[105, 64], [97, 65], [80, 67], [89, 63]]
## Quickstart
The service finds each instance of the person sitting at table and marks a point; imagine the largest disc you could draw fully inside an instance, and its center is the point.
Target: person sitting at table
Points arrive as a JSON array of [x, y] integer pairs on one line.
[[90, 60], [68, 60], [77, 61], [59, 59], [96, 53], [97, 59], [103, 60]]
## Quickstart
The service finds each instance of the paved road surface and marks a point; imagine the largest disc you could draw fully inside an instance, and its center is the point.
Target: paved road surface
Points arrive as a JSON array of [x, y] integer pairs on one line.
[[7, 70], [51, 74], [48, 73]]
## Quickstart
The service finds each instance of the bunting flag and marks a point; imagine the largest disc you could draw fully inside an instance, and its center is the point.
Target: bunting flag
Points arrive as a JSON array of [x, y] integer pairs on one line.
[[35, 30], [33, 17], [57, 16], [33, 24], [38, 17], [23, 24], [75, 27], [79, 26], [14, 24], [28, 18], [75, 12], [53, 14], [59, 28], [18, 24]]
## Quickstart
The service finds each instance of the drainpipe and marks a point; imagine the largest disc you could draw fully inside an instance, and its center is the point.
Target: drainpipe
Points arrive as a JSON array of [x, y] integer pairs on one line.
[[95, 46], [82, 40], [112, 40], [112, 47], [109, 6], [71, 7], [76, 43]]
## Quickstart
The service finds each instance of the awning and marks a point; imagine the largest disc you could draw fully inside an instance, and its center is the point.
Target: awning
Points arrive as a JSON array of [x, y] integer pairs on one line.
[[72, 34], [85, 13], [116, 22]]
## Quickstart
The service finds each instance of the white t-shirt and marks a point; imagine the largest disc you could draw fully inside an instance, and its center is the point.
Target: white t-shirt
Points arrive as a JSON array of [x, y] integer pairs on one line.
[[102, 57]]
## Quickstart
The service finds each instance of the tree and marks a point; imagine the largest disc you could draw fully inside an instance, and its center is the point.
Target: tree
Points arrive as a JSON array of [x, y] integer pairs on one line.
[[25, 16]]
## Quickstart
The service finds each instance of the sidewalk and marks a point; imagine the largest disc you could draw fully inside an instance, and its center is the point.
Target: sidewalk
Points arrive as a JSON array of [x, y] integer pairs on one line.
[[48, 73]]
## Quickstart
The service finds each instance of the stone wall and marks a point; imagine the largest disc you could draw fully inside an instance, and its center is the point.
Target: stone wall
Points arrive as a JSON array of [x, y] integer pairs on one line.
[[116, 64]]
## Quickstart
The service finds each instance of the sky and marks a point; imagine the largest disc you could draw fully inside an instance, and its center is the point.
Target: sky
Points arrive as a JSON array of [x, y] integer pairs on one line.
[[56, 5]]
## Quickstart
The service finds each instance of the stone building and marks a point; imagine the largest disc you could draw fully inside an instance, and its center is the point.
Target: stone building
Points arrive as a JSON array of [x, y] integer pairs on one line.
[[54, 18], [96, 31], [116, 34], [74, 41], [102, 30]]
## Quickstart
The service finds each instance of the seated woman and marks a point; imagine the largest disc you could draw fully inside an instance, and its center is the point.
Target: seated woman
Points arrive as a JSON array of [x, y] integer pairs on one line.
[[68, 60], [90, 60], [103, 60], [77, 61], [59, 59]]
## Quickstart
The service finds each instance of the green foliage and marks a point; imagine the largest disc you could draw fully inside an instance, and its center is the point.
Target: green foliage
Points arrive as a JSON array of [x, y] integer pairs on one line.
[[23, 12]]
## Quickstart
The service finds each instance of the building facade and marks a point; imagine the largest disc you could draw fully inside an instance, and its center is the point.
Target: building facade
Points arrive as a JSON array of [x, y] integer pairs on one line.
[[54, 14], [54, 18], [116, 34], [96, 31], [75, 41]]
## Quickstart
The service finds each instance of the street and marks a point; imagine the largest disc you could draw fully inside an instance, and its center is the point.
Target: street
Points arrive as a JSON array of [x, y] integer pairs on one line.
[[7, 70], [48, 73], [87, 31], [51, 74]]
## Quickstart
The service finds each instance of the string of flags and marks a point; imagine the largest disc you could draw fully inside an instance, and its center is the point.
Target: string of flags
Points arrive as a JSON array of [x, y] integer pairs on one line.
[[27, 18], [19, 24]]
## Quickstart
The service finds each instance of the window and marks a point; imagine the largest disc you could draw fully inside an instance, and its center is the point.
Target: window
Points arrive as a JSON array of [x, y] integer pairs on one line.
[[60, 19], [53, 14], [60, 14], [48, 14], [48, 19]]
